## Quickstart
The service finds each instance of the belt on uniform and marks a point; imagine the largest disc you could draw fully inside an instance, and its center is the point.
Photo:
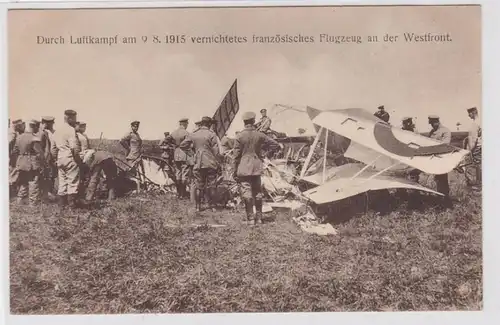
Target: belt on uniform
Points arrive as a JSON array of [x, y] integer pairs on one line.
[[28, 154]]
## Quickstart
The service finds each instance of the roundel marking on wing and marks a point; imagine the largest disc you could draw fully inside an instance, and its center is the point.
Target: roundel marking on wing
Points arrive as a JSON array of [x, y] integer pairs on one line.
[[387, 140]]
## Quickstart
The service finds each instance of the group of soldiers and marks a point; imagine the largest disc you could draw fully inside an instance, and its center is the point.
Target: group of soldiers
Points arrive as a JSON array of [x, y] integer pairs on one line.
[[443, 134], [39, 155], [196, 158]]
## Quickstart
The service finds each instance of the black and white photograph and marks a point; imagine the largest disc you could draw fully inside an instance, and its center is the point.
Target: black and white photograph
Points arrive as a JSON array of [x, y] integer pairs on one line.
[[245, 159]]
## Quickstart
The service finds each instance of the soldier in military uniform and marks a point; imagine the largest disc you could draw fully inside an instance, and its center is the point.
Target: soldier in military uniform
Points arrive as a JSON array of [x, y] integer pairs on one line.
[[81, 127], [67, 149], [18, 128], [101, 161], [474, 144], [264, 124], [181, 159], [50, 172], [382, 114], [197, 125], [442, 134], [132, 143], [408, 125], [167, 145], [248, 165], [226, 144], [30, 164], [206, 160]]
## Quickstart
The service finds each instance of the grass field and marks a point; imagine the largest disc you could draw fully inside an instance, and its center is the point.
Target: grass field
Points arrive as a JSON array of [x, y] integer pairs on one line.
[[141, 254]]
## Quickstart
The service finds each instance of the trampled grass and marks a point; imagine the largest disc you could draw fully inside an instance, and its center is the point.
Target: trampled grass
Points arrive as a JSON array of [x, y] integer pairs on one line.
[[142, 254]]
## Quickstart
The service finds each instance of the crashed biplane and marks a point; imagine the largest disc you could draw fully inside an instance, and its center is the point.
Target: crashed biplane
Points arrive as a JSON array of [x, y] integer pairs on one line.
[[383, 154]]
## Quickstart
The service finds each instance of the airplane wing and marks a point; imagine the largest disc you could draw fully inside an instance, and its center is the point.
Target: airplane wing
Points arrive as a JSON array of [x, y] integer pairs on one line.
[[290, 119], [341, 186], [417, 151]]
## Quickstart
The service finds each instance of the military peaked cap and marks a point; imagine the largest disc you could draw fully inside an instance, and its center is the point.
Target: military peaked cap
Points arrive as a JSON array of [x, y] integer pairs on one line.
[[206, 119], [17, 122], [34, 122], [166, 133], [82, 123], [183, 120], [248, 116], [48, 119], [381, 107], [407, 119], [433, 118], [69, 112], [263, 110], [135, 123], [472, 109]]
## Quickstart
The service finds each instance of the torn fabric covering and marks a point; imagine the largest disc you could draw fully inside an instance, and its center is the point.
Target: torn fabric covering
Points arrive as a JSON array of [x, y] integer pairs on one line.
[[155, 173], [227, 110], [291, 120]]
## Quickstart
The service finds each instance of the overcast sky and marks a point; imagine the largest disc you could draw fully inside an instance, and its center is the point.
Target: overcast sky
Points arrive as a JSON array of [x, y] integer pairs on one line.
[[109, 86]]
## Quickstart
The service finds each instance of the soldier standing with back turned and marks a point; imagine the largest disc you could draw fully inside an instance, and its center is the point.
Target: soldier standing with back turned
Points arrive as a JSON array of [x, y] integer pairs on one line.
[[67, 149], [30, 164], [206, 160], [248, 166]]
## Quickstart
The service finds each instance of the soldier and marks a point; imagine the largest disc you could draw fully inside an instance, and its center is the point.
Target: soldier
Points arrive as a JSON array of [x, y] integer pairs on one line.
[[474, 141], [382, 114], [248, 165], [101, 161], [196, 125], [408, 125], [167, 145], [81, 127], [226, 144], [67, 149], [181, 158], [30, 164], [18, 128], [443, 134], [132, 143], [264, 124], [206, 160], [50, 172]]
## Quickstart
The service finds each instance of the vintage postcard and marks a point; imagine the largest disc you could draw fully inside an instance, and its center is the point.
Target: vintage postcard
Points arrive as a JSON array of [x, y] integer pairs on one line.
[[245, 159]]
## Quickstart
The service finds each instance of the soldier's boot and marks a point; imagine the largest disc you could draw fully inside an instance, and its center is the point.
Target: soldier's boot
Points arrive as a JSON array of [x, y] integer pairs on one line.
[[73, 201], [21, 200], [62, 201], [258, 210], [185, 193], [111, 194], [178, 189], [197, 199], [249, 212], [180, 192]]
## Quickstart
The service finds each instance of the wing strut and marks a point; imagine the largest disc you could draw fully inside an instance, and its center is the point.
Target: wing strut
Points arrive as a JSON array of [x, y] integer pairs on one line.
[[366, 167], [380, 172], [324, 157], [311, 152]]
